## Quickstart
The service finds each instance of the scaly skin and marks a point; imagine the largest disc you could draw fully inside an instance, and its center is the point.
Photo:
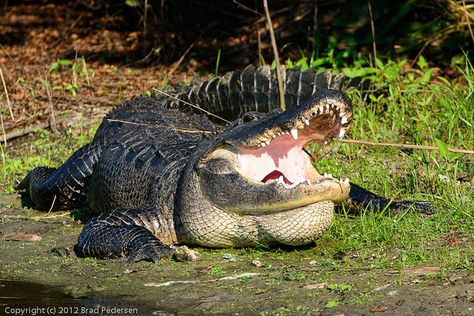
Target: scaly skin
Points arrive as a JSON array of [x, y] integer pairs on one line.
[[161, 174]]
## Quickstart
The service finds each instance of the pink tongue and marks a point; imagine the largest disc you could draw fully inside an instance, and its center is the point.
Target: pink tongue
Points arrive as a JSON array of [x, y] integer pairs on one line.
[[274, 175]]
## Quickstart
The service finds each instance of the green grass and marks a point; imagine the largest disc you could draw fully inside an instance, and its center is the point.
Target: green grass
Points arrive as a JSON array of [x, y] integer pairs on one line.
[[47, 150], [408, 106], [401, 105]]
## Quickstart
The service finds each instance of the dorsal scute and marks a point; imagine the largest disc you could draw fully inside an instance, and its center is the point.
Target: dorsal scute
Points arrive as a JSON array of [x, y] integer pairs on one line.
[[253, 89]]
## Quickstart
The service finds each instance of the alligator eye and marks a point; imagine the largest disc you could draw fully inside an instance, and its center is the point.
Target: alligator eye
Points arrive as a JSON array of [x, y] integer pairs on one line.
[[251, 116]]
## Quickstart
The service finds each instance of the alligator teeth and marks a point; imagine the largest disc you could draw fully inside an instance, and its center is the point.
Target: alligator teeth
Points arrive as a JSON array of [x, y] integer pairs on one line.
[[328, 175], [280, 180], [262, 144], [291, 186], [346, 181], [306, 121], [341, 134], [294, 133], [267, 142], [343, 120]]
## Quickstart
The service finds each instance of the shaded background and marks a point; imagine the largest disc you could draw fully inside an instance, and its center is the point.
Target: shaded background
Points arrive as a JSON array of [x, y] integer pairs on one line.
[[71, 55], [162, 31]]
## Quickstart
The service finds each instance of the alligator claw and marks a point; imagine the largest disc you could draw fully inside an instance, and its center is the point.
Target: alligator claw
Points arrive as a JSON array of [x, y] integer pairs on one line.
[[183, 253], [150, 252]]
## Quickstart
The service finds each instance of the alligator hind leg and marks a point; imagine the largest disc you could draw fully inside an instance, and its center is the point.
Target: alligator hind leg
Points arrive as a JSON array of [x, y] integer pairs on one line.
[[64, 188], [366, 198], [127, 233]]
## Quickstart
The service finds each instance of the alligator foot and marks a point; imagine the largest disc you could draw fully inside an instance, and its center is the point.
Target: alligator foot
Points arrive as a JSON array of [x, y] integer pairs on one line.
[[117, 234], [183, 253], [153, 251], [365, 198]]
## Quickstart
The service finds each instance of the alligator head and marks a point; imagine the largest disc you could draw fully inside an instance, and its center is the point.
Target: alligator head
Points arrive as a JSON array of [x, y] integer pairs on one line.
[[258, 168]]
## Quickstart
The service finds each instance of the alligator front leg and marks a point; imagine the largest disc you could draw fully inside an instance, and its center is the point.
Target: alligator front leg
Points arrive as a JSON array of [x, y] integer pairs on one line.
[[366, 198], [127, 233]]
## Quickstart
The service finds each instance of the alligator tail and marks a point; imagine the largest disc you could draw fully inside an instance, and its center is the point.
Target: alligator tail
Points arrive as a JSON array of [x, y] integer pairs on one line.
[[253, 89], [51, 189], [364, 198]]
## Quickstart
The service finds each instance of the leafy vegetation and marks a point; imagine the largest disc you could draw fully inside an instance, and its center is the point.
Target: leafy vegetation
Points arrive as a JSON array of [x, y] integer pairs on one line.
[[409, 105], [78, 67]]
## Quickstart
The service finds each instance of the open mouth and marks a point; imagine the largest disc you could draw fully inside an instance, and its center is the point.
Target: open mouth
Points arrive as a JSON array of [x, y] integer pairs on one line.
[[280, 155]]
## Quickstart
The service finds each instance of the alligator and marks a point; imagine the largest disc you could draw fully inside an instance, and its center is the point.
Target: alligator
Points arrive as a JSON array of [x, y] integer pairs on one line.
[[162, 171]]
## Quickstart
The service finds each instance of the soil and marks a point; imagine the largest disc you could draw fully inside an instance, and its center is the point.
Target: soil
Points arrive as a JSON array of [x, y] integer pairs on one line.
[[37, 247], [265, 281], [41, 51]]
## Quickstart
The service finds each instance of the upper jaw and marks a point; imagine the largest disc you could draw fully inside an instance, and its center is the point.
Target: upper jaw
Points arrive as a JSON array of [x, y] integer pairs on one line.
[[278, 150], [327, 115]]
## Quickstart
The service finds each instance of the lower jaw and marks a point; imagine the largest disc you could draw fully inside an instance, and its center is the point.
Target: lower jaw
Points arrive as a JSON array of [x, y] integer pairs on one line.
[[293, 227], [283, 207]]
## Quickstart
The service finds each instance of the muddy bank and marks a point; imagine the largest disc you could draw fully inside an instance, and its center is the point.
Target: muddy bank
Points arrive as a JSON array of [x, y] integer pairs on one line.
[[230, 281], [26, 298]]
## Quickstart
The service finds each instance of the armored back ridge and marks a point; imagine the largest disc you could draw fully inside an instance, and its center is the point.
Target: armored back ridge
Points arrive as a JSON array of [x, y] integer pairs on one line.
[[160, 172], [253, 89]]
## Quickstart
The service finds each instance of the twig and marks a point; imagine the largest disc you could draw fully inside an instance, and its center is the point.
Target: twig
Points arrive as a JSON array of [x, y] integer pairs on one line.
[[6, 95], [243, 6], [3, 131], [84, 66], [364, 142], [277, 57], [178, 63], [50, 99], [315, 34], [82, 100], [468, 20], [257, 28], [227, 278], [52, 205], [185, 130], [259, 45], [427, 43], [372, 27], [145, 17], [192, 105], [3, 148], [19, 132]]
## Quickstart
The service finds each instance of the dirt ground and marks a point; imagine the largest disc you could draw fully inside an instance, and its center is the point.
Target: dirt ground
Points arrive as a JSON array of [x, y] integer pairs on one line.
[[37, 247], [41, 52], [230, 281]]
